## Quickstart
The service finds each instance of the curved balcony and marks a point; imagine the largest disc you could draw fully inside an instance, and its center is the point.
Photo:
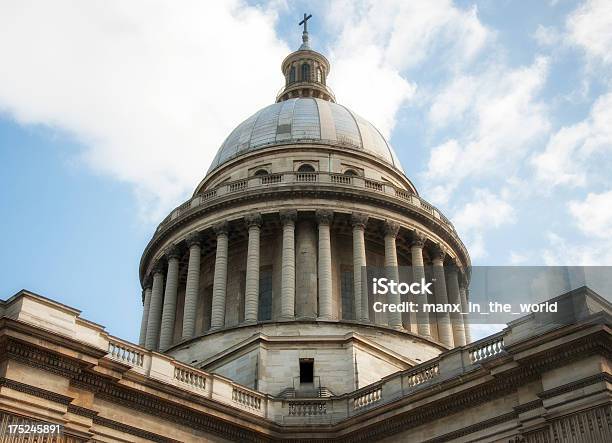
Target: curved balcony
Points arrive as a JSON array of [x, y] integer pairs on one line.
[[293, 181]]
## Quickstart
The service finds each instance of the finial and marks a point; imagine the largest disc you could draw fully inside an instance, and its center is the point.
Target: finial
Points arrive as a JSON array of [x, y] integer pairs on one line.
[[304, 22]]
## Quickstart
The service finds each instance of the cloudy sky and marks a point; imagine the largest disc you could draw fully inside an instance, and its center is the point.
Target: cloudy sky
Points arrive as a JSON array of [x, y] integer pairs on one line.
[[110, 112]]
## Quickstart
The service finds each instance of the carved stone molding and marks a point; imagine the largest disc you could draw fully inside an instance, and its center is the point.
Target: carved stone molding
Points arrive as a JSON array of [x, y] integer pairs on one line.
[[288, 216], [221, 228], [172, 251], [324, 216], [390, 228], [417, 239], [359, 220], [195, 238], [253, 219], [36, 392]]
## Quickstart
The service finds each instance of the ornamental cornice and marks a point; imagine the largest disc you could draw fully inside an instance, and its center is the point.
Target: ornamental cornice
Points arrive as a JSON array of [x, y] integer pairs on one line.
[[34, 391], [232, 200]]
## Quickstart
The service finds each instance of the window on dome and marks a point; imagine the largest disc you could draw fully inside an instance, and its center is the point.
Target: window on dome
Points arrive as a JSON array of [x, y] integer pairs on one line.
[[346, 290], [306, 168], [305, 72], [319, 75], [292, 75], [261, 172], [306, 370], [350, 172]]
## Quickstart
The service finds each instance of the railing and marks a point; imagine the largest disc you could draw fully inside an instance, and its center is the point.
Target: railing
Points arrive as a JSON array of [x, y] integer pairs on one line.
[[422, 373], [310, 178], [341, 179], [246, 398], [307, 408], [486, 348], [190, 377], [367, 398], [237, 186], [271, 179], [125, 353]]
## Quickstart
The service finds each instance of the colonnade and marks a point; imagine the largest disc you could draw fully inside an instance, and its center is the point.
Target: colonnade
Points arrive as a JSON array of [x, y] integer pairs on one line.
[[160, 291]]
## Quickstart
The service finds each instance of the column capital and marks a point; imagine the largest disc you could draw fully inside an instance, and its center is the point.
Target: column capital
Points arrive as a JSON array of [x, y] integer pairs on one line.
[[147, 283], [158, 268], [359, 220], [390, 228], [253, 219], [439, 252], [195, 238], [288, 216], [221, 228], [324, 216], [417, 239], [172, 251]]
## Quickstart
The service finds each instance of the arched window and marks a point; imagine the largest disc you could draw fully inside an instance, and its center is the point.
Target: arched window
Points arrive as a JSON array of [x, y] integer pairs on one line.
[[305, 72], [306, 168], [292, 75], [261, 172], [350, 172], [319, 75]]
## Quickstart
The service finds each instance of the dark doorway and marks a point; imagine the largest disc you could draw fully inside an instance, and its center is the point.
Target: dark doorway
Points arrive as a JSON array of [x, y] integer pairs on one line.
[[306, 370]]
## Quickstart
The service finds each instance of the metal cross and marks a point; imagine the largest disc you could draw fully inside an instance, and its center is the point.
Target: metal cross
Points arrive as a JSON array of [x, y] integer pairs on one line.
[[305, 22]]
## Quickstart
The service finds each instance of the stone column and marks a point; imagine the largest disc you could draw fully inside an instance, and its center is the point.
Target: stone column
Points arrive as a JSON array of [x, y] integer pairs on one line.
[[251, 293], [192, 289], [390, 233], [455, 298], [325, 263], [445, 331], [145, 313], [155, 309], [169, 310], [362, 311], [288, 218], [220, 278], [418, 275], [463, 293], [306, 266]]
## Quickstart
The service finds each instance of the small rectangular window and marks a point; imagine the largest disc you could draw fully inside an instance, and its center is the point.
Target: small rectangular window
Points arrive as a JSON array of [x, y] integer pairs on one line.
[[346, 291], [306, 370]]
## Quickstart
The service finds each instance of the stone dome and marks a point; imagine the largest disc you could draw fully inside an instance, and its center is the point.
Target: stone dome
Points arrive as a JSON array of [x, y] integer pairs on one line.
[[301, 120]]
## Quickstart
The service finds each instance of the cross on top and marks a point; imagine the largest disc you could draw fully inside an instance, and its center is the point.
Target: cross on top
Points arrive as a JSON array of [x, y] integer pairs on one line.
[[305, 22]]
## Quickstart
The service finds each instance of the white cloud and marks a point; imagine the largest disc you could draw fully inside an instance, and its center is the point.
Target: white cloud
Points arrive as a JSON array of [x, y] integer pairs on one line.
[[379, 41], [594, 214], [502, 117], [590, 27], [578, 252], [569, 154], [547, 35], [149, 89], [486, 211], [518, 258]]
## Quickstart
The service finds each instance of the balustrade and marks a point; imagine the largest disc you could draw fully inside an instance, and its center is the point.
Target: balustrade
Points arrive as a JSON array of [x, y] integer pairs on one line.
[[307, 408], [190, 377], [421, 374], [246, 398], [125, 353], [487, 348], [367, 398]]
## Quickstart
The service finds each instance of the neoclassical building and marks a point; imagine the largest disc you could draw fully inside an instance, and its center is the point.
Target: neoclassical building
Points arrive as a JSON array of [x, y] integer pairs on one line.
[[258, 316]]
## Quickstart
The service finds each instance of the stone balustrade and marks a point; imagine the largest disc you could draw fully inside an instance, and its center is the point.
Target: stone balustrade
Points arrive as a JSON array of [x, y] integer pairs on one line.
[[367, 398], [292, 178], [247, 398], [421, 374], [191, 377], [126, 353], [487, 348]]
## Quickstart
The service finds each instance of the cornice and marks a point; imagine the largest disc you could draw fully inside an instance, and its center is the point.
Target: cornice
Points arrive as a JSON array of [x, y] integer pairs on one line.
[[34, 391], [323, 191]]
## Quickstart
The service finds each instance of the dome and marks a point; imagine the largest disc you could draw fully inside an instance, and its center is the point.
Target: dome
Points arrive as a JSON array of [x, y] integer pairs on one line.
[[300, 120]]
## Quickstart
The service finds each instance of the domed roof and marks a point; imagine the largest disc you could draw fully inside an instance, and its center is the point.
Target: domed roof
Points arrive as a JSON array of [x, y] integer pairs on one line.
[[302, 120]]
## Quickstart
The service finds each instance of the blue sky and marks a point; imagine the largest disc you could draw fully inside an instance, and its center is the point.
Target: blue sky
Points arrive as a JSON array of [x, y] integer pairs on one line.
[[110, 112]]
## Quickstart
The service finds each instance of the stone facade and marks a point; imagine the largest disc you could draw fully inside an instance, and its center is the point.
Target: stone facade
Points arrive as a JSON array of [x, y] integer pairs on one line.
[[258, 321], [535, 381]]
